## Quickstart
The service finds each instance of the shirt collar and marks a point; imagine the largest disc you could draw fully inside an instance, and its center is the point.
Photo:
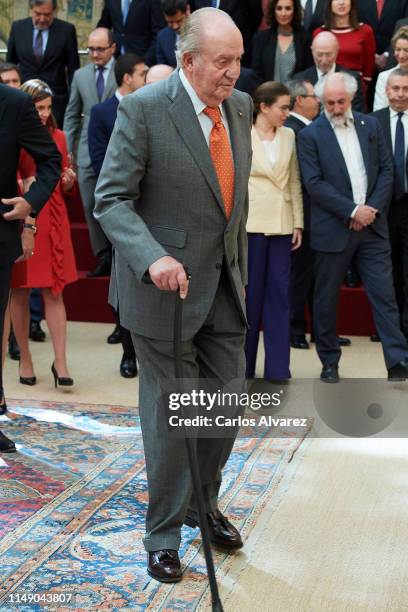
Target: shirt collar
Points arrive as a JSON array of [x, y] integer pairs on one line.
[[118, 95], [198, 104], [107, 66], [321, 74], [301, 118], [394, 114]]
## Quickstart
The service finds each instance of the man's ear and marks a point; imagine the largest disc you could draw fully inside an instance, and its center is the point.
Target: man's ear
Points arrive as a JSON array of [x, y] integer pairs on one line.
[[187, 61]]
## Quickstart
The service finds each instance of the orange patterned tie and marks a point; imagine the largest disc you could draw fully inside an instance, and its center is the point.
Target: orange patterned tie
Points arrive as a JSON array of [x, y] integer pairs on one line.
[[221, 155]]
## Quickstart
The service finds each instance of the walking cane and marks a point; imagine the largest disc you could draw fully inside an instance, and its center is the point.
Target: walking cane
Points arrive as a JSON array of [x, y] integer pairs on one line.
[[192, 453]]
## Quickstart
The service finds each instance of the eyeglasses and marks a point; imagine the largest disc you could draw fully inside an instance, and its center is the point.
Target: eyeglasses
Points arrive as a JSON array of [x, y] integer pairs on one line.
[[98, 49]]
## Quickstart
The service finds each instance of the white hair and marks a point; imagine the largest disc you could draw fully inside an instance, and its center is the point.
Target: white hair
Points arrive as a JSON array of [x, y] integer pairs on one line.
[[350, 84], [191, 31]]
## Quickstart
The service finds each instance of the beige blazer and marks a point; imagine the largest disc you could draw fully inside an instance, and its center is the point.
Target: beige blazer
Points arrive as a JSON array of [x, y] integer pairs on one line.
[[275, 193]]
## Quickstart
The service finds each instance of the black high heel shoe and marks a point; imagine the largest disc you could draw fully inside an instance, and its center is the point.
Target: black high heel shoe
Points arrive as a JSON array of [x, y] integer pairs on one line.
[[3, 407], [64, 381], [28, 380]]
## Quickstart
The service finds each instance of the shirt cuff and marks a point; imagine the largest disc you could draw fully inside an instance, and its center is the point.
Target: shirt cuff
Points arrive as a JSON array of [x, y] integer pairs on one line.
[[354, 211]]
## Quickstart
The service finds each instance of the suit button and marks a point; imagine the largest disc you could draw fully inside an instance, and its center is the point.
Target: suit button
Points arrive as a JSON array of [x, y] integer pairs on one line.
[[218, 266]]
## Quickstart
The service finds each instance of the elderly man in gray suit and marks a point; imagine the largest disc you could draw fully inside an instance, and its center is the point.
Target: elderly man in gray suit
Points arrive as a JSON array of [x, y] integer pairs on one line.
[[92, 84], [173, 191]]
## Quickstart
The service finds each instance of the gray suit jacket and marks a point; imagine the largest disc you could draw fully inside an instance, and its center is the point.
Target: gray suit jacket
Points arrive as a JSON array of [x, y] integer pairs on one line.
[[158, 195], [82, 98]]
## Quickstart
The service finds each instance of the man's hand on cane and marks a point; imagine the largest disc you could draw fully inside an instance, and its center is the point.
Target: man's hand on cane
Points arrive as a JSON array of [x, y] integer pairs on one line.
[[168, 274]]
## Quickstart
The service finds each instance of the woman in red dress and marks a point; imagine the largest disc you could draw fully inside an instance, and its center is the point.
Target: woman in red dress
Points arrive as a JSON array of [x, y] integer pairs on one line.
[[356, 40], [52, 265]]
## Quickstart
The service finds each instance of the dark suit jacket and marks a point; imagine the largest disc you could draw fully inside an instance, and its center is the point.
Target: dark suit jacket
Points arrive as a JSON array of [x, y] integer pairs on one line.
[[383, 27], [138, 35], [100, 127], [297, 125], [264, 51], [383, 116], [310, 74], [318, 18], [327, 181], [59, 61], [166, 47], [20, 127]]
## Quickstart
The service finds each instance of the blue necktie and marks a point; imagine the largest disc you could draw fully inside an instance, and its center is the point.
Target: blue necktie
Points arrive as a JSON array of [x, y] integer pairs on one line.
[[100, 83], [38, 46], [125, 10], [399, 159]]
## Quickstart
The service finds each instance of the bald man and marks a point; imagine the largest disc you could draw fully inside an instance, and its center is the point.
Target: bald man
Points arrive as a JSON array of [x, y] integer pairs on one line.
[[167, 199], [325, 49], [159, 72], [348, 173]]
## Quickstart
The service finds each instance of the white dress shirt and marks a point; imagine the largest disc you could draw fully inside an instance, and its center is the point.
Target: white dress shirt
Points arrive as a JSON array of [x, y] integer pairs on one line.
[[205, 121], [350, 147], [303, 3], [393, 122], [272, 149], [301, 118]]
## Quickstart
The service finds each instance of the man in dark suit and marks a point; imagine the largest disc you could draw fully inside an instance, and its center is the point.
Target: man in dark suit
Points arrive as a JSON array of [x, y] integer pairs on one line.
[[130, 71], [382, 15], [193, 122], [20, 127], [304, 108], [325, 49], [45, 48], [348, 174], [135, 25], [247, 15], [175, 13], [394, 122], [313, 14]]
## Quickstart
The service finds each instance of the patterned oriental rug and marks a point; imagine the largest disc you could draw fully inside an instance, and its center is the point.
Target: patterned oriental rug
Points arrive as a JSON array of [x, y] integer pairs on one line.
[[72, 505]]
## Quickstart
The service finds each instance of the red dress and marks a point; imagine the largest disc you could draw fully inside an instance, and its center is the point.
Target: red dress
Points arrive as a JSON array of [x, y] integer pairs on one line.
[[53, 263], [356, 49]]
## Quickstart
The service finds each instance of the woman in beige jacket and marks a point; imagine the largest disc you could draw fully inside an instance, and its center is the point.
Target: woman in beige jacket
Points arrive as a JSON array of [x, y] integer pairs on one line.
[[275, 223]]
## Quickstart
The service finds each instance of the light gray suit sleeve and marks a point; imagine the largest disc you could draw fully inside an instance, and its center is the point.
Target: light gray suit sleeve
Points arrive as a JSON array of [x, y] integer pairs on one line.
[[118, 189], [72, 117]]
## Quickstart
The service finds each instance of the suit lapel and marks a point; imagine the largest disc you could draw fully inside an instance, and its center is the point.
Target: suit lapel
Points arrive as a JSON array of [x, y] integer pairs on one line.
[[363, 135], [185, 119], [259, 154], [52, 36], [329, 137], [110, 84], [236, 121]]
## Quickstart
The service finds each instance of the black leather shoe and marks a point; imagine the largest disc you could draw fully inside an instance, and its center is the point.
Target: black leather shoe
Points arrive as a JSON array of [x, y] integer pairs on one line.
[[399, 371], [36, 332], [128, 367], [6, 445], [375, 338], [13, 348], [115, 337], [330, 373], [222, 533], [103, 268], [164, 565], [299, 342], [343, 341]]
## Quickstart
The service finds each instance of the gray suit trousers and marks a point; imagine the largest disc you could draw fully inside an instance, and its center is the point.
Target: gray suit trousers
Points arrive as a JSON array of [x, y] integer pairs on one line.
[[216, 352], [87, 183]]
